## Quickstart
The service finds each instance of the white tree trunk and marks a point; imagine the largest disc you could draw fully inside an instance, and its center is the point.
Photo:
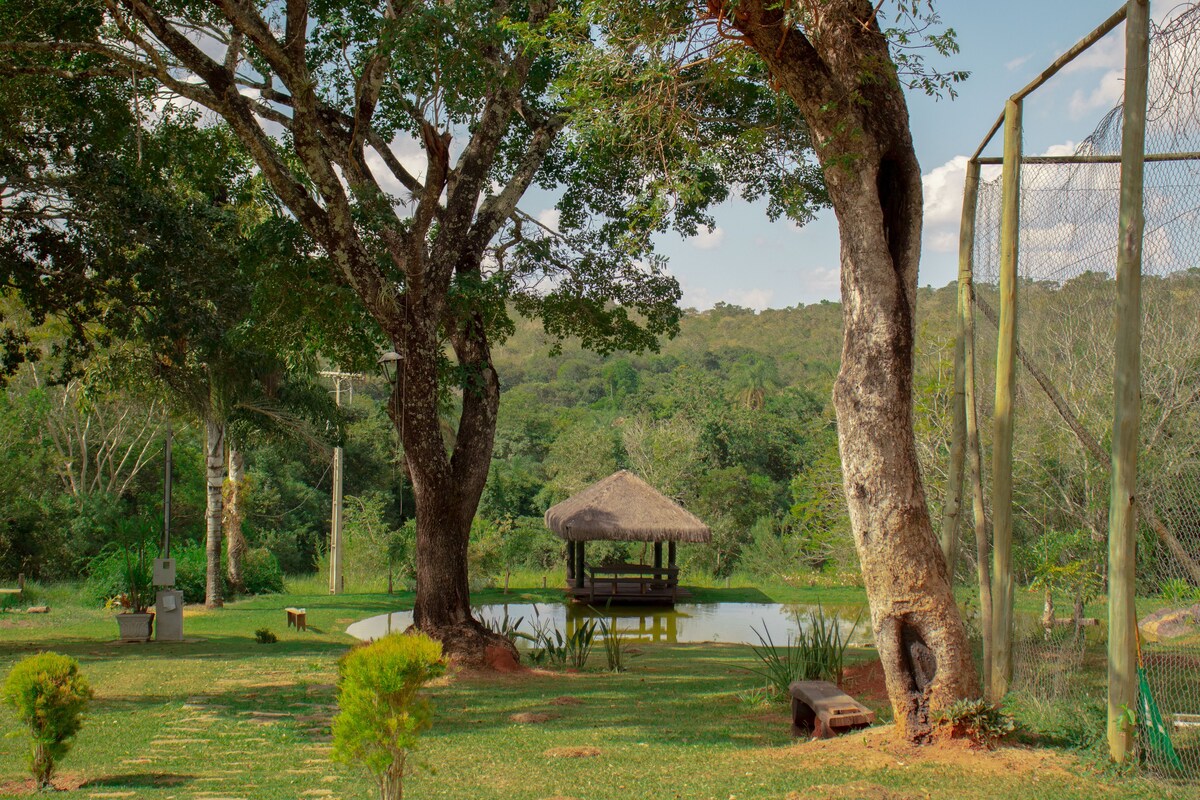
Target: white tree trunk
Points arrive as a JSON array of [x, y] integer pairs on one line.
[[214, 457]]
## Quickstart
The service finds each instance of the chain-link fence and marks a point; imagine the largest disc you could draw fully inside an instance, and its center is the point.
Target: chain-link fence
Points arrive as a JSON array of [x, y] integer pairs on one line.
[[1066, 300]]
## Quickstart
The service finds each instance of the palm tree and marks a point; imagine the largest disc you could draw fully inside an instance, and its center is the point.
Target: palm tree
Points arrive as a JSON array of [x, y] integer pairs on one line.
[[753, 377]]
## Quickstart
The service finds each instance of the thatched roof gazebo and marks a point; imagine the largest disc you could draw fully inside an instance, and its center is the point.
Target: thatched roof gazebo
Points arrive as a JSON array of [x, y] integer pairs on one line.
[[624, 508]]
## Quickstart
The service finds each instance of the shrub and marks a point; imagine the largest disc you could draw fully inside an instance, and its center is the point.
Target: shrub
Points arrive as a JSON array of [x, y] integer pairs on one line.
[[118, 577], [265, 636], [261, 573], [615, 645], [50, 696], [817, 653], [380, 718], [976, 720], [191, 564]]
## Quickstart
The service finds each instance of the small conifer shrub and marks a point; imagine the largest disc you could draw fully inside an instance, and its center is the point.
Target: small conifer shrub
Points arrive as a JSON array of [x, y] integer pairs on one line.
[[380, 716], [50, 696]]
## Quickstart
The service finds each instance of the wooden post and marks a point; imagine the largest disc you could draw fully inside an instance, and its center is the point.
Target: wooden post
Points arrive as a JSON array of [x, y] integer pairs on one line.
[[670, 554], [168, 440], [580, 564], [658, 561], [1122, 515], [570, 561], [1006, 393], [966, 300]]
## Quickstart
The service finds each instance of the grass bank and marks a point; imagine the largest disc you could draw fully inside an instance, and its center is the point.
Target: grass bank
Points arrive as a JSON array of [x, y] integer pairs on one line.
[[222, 716]]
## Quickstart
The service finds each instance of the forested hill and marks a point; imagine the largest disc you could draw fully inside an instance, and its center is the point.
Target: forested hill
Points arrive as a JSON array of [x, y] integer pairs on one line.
[[804, 342], [731, 417]]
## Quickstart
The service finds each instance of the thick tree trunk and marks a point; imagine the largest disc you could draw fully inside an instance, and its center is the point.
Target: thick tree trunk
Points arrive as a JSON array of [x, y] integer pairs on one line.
[[839, 72], [214, 460], [447, 488], [234, 513]]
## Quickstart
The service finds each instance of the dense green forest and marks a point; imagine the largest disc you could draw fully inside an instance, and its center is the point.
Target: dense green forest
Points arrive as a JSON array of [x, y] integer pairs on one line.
[[731, 417]]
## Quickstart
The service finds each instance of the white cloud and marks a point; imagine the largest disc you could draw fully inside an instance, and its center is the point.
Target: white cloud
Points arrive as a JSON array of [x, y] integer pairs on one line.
[[549, 217], [943, 190], [943, 194], [702, 298], [758, 299], [708, 239], [1067, 148], [1106, 54], [1017, 62], [1104, 96]]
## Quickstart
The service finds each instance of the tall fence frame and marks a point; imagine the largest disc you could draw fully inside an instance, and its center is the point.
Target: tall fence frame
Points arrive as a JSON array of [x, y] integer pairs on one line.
[[996, 583]]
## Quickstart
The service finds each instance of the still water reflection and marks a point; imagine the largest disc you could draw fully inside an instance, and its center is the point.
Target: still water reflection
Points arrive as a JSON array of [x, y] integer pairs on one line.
[[697, 622]]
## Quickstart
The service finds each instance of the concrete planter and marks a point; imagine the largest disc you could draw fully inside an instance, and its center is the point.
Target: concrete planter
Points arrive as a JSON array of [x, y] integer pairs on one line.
[[135, 627]]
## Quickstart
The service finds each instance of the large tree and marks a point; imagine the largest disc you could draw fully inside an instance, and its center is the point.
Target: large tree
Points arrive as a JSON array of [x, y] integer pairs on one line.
[[401, 136], [834, 60], [846, 73]]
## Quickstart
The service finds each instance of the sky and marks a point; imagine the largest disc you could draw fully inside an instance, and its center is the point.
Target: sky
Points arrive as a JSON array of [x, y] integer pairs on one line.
[[749, 261]]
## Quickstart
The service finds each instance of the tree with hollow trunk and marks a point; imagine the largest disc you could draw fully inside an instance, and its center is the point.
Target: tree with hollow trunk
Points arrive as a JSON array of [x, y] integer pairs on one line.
[[834, 61], [401, 137]]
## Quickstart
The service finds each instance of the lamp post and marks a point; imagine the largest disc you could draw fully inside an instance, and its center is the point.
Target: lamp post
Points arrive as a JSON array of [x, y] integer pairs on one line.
[[389, 365]]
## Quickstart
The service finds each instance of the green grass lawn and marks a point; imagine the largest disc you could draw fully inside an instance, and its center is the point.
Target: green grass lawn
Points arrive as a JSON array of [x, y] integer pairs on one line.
[[220, 716]]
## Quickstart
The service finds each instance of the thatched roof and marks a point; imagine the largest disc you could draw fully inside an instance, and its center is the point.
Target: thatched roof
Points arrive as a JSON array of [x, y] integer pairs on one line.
[[624, 508]]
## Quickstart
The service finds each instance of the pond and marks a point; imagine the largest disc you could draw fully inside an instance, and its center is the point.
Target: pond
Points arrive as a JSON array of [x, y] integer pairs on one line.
[[696, 622]]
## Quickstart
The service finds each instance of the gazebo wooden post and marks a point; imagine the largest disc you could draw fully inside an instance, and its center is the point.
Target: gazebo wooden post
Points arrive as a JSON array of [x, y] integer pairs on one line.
[[670, 555], [570, 561], [580, 568]]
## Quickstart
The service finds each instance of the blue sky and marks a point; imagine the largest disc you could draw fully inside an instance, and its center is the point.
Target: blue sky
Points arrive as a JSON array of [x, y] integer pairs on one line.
[[752, 262]]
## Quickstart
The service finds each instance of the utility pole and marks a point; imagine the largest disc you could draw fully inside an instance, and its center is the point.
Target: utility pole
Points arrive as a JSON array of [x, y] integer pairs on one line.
[[336, 542], [166, 543]]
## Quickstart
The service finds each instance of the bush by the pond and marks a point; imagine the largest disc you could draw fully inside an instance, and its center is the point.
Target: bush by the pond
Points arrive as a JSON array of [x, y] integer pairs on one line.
[[380, 717], [50, 697]]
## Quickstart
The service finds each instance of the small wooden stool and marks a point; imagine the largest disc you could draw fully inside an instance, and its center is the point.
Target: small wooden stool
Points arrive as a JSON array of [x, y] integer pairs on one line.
[[296, 618]]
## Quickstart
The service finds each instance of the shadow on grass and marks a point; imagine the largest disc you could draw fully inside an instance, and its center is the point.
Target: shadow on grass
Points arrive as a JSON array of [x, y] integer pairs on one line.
[[201, 646], [139, 780], [652, 703]]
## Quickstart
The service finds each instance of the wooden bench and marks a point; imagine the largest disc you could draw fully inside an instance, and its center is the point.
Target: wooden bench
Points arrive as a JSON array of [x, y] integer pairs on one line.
[[823, 709], [296, 618], [17, 592], [633, 580]]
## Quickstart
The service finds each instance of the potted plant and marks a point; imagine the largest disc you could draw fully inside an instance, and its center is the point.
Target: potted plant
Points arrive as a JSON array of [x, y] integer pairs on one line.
[[135, 621]]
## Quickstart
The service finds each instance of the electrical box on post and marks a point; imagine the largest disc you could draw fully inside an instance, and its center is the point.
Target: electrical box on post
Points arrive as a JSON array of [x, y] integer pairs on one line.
[[164, 572]]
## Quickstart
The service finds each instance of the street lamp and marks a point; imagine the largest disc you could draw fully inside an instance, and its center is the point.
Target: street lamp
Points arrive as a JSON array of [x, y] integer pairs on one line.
[[389, 364]]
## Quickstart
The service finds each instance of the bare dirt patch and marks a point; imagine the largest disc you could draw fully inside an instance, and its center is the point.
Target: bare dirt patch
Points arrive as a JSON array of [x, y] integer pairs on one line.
[[880, 749], [859, 790], [566, 700], [63, 782], [865, 681], [533, 717], [573, 752]]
